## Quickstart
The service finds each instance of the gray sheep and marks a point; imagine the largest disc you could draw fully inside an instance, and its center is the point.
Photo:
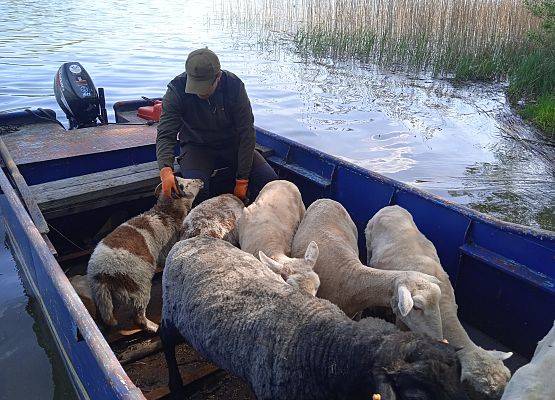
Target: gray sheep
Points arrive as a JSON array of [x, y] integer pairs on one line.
[[287, 344], [216, 217]]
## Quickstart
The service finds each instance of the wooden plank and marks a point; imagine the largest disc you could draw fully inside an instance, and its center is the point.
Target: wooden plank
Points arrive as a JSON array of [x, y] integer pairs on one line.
[[188, 378], [92, 205], [25, 192], [51, 247], [78, 194], [93, 178], [141, 351]]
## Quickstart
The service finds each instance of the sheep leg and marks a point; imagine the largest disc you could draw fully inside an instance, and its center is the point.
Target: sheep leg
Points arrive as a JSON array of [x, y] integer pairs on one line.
[[401, 325], [169, 337], [140, 318]]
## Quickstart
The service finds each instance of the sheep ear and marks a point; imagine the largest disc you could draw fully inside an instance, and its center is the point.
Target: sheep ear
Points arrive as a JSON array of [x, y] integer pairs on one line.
[[272, 264], [311, 254], [405, 300], [500, 355], [433, 279]]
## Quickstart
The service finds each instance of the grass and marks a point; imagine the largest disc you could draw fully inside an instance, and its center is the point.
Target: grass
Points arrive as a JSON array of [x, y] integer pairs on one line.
[[532, 80]]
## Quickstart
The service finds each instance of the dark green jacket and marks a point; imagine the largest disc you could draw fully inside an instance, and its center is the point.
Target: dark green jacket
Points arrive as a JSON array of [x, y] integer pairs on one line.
[[224, 120]]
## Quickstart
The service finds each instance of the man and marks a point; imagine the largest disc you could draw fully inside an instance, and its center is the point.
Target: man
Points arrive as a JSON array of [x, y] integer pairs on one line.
[[210, 110]]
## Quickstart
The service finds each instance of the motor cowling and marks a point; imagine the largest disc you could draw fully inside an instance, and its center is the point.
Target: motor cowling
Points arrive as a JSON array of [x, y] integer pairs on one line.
[[77, 96]]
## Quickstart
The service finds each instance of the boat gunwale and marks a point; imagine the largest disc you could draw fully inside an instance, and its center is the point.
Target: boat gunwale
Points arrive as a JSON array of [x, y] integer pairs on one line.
[[117, 381], [511, 227]]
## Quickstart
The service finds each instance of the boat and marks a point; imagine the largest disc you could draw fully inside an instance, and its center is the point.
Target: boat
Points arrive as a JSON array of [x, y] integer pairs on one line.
[[62, 190]]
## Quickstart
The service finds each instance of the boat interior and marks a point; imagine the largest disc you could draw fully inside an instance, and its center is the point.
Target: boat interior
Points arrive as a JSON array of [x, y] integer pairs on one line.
[[81, 207]]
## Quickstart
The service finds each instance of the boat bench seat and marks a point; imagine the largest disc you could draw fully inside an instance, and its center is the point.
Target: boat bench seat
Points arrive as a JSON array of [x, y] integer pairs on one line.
[[100, 189], [297, 170]]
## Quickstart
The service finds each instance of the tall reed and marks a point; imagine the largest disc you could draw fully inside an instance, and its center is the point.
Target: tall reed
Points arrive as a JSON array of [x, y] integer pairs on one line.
[[464, 39]]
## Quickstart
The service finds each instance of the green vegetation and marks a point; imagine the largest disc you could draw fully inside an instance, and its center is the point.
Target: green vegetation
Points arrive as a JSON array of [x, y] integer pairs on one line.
[[532, 80], [463, 40]]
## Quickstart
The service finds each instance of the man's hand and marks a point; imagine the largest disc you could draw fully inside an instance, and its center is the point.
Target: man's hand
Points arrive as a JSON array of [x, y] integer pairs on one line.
[[168, 182], [241, 186]]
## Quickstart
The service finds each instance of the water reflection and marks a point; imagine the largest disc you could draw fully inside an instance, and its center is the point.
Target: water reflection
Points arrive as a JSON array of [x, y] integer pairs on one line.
[[30, 367], [419, 130]]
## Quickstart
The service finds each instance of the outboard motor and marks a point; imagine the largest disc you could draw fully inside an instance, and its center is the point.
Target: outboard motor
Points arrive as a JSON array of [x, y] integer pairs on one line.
[[77, 96]]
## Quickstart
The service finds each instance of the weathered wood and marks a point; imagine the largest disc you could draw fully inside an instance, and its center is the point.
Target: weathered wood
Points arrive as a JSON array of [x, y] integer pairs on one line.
[[92, 191], [188, 378], [74, 255], [51, 247], [93, 205], [94, 178], [78, 192], [143, 350], [26, 194]]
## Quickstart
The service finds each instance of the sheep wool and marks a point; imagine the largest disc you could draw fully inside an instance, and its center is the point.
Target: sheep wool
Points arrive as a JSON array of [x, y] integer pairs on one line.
[[266, 231], [216, 217], [394, 242], [346, 282], [285, 343]]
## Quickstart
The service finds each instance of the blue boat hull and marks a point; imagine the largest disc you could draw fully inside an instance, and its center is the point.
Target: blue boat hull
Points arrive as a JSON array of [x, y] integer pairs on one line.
[[503, 273]]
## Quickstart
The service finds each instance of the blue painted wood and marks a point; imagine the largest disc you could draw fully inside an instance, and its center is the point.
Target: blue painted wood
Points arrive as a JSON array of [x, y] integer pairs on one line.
[[503, 273], [92, 366], [505, 288]]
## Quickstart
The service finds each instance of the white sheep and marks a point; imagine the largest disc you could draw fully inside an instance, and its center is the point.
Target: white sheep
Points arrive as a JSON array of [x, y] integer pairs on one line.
[[394, 243], [216, 217], [266, 230], [535, 381], [122, 265], [346, 282], [287, 345]]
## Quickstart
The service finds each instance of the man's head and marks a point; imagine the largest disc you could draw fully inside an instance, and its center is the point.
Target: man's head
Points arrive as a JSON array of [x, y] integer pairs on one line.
[[203, 73]]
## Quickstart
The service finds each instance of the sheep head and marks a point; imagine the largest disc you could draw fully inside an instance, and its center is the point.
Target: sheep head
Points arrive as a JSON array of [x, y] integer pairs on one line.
[[421, 368], [297, 272], [483, 373], [415, 301]]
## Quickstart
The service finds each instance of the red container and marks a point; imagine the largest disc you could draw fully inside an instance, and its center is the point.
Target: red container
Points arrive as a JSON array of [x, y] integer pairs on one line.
[[151, 113]]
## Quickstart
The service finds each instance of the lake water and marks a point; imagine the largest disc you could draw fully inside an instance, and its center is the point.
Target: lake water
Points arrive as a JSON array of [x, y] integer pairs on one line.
[[30, 367], [461, 142]]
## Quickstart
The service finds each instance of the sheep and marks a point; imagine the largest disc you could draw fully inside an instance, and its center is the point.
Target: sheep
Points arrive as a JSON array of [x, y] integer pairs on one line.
[[286, 344], [216, 217], [122, 265], [394, 243], [351, 285], [534, 381], [266, 230]]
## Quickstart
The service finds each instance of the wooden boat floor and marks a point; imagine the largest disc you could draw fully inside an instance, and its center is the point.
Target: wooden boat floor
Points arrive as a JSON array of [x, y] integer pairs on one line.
[[143, 360], [141, 356]]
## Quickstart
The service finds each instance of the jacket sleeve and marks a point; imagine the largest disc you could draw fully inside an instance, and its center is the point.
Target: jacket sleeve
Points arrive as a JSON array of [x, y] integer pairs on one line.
[[244, 123], [168, 127]]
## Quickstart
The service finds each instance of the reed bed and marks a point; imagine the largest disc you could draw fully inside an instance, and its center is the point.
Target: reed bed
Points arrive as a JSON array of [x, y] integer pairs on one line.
[[463, 39]]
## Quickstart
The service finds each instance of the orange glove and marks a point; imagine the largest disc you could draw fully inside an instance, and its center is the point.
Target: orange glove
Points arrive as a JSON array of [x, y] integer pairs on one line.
[[241, 186], [168, 182]]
